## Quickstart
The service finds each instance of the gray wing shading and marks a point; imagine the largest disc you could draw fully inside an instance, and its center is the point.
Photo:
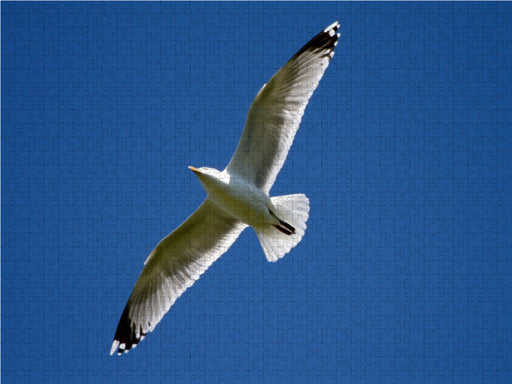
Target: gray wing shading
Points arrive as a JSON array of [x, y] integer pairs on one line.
[[173, 266], [277, 110]]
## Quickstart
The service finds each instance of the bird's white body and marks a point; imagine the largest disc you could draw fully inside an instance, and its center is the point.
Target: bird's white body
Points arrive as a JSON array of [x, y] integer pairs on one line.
[[238, 197]]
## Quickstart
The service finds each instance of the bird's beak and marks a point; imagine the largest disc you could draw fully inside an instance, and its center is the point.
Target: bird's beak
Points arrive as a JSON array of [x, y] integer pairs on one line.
[[193, 169]]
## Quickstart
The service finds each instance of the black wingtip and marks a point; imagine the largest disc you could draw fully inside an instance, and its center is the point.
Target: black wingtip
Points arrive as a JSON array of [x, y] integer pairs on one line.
[[125, 338], [325, 40]]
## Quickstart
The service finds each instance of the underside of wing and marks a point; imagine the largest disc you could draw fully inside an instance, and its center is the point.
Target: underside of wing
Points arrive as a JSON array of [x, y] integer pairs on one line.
[[173, 266], [277, 110]]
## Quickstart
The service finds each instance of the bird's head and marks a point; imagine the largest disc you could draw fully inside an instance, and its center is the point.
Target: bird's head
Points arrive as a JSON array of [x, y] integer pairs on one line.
[[205, 171], [210, 175]]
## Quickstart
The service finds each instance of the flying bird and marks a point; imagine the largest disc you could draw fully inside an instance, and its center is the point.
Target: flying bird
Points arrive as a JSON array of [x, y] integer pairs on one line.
[[237, 197]]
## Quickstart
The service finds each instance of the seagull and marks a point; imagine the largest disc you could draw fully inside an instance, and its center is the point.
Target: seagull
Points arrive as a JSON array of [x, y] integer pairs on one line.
[[237, 197]]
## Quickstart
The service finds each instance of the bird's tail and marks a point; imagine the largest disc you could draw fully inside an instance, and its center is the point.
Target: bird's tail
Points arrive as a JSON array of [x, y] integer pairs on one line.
[[292, 211]]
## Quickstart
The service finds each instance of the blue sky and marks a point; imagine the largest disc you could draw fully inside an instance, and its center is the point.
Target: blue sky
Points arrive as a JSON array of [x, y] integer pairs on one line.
[[405, 152]]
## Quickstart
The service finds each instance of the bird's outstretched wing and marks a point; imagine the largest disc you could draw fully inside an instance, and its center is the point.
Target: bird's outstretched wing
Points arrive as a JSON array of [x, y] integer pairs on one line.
[[277, 110], [173, 266]]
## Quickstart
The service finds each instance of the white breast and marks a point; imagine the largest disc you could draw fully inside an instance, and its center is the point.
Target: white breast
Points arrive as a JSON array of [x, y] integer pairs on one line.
[[239, 198]]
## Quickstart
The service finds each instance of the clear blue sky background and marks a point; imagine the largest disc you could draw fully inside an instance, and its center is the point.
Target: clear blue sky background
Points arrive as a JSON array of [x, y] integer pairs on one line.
[[405, 151]]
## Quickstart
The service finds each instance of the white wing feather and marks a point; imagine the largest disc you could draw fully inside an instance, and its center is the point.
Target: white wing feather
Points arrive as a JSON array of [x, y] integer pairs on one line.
[[277, 110], [173, 266]]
